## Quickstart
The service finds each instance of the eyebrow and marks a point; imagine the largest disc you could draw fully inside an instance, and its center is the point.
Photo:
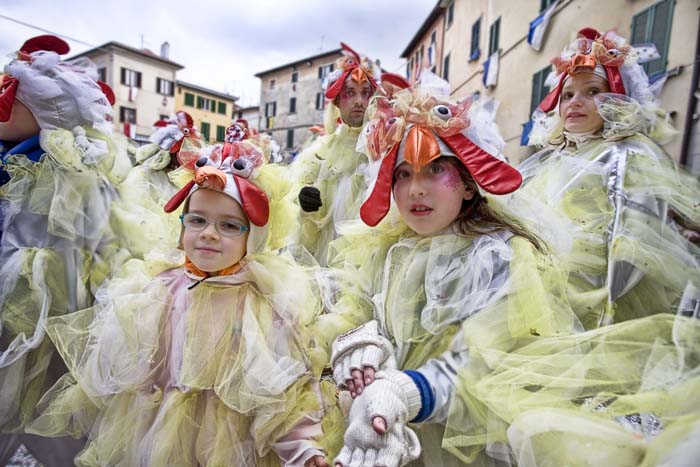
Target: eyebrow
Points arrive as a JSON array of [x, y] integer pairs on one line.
[[224, 217]]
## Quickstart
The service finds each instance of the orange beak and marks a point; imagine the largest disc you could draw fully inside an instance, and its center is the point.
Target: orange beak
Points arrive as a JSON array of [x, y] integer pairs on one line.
[[421, 147], [358, 75]]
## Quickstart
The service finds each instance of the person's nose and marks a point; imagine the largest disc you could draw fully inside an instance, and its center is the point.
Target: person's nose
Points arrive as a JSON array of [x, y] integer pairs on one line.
[[576, 99], [417, 187], [210, 232]]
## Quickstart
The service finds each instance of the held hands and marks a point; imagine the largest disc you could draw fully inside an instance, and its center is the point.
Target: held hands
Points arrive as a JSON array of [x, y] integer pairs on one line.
[[310, 199], [316, 461], [377, 434], [357, 355]]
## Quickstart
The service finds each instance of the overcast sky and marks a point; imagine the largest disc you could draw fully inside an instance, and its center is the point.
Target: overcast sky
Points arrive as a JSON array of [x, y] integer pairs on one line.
[[222, 47]]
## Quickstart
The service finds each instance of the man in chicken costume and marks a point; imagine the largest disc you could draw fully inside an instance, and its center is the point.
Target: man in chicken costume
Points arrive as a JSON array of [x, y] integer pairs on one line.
[[330, 174]]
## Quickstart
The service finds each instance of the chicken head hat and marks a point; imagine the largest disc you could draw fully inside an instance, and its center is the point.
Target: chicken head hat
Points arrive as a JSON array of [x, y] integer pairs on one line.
[[232, 177], [417, 127], [608, 56], [58, 94], [179, 136], [351, 65]]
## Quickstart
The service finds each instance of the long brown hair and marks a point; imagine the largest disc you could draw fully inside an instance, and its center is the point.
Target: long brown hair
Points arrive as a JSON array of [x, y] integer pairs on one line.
[[478, 218]]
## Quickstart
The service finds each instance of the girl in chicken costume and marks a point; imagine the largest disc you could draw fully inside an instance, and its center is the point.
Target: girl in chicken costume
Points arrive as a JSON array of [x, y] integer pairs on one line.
[[330, 174], [452, 272], [605, 176], [203, 364], [61, 165]]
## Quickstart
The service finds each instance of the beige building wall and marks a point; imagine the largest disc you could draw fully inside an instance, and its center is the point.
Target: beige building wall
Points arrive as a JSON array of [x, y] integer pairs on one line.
[[518, 61], [149, 104], [251, 114], [276, 86], [217, 121], [419, 50]]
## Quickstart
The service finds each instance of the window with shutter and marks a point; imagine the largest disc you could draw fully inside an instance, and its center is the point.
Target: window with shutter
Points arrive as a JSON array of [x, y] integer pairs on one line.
[[539, 90], [654, 25], [494, 33]]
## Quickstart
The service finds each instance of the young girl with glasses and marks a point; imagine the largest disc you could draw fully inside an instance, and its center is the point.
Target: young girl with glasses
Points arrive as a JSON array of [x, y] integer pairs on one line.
[[204, 364]]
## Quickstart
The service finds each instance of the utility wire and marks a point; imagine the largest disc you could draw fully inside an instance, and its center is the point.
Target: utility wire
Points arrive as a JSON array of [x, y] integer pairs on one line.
[[45, 30]]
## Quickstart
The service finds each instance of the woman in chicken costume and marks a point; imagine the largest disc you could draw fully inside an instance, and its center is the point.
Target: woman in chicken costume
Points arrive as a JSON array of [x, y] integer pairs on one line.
[[452, 271], [604, 175], [61, 165], [205, 363]]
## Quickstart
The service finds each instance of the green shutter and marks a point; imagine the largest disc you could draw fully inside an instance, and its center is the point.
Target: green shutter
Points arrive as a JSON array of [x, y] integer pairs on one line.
[[222, 108], [476, 31], [661, 34], [539, 90], [205, 131], [220, 133], [189, 99], [654, 25], [494, 33]]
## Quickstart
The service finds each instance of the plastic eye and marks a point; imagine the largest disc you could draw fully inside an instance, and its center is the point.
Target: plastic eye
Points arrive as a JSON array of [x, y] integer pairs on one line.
[[201, 162], [239, 164], [442, 111], [186, 131]]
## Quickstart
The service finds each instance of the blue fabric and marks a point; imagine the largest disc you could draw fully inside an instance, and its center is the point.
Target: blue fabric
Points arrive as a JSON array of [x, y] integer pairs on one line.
[[475, 55], [427, 397], [525, 137], [486, 71], [533, 26], [29, 147]]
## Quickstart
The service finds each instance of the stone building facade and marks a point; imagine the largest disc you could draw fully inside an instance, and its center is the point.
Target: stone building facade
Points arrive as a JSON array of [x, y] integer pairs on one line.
[[292, 100]]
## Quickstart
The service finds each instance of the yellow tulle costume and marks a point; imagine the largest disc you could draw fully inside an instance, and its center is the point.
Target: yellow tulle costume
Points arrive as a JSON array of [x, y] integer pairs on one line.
[[138, 217], [624, 394], [611, 198], [336, 169], [434, 297], [169, 369], [57, 247]]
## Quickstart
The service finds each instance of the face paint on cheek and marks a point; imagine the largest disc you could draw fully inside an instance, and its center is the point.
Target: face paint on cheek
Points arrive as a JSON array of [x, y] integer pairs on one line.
[[450, 177], [345, 97]]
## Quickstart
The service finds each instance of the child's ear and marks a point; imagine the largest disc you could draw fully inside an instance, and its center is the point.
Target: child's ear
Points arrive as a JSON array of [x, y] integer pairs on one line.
[[469, 193]]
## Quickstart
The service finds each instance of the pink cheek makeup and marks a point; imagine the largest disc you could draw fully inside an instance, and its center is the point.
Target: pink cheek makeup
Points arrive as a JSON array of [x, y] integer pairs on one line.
[[450, 177]]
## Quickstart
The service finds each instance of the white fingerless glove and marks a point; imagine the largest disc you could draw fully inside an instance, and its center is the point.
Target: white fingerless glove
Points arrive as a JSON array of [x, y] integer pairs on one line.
[[394, 397], [359, 348]]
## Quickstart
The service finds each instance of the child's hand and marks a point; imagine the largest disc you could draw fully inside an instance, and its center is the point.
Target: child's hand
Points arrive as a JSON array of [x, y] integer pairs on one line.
[[359, 380], [358, 354], [316, 461], [377, 432]]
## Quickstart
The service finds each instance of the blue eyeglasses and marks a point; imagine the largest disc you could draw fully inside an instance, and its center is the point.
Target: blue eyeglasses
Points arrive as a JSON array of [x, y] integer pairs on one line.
[[226, 227]]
